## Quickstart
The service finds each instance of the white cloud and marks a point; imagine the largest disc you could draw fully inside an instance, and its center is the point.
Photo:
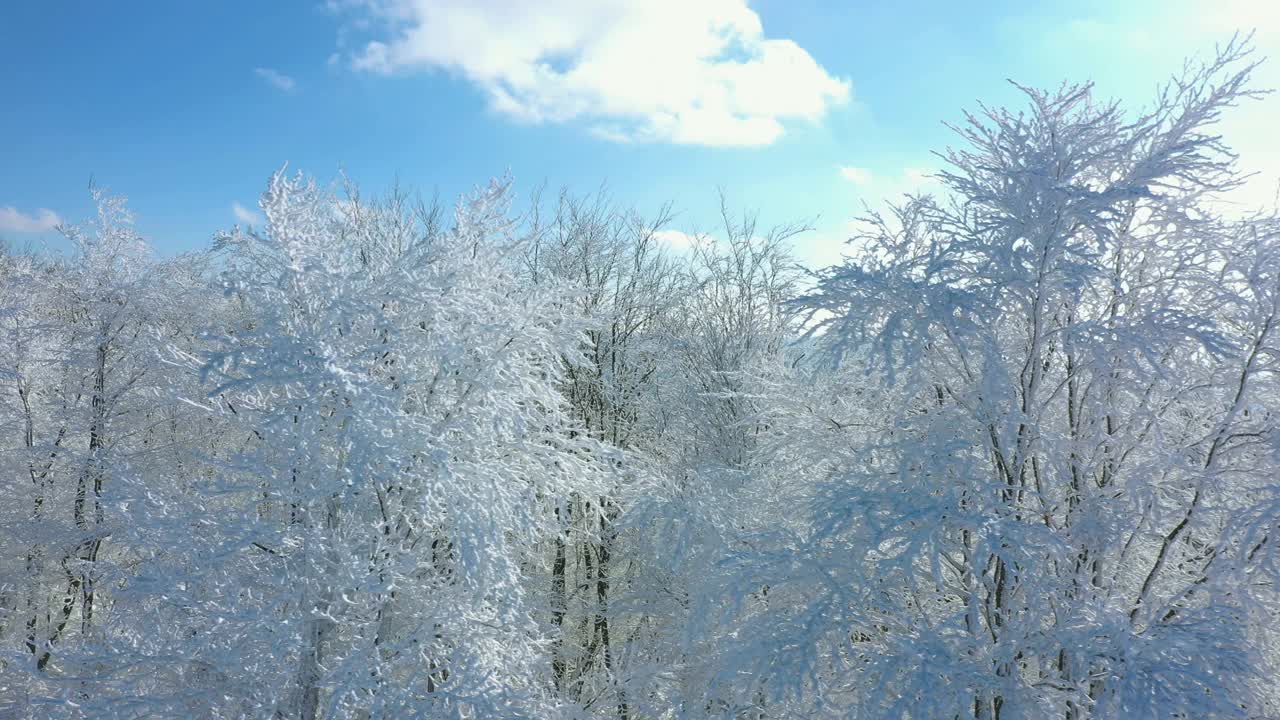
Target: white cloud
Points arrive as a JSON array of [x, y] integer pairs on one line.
[[14, 220], [856, 175], [1228, 16], [918, 178], [276, 79], [245, 215], [879, 185], [700, 72], [678, 240]]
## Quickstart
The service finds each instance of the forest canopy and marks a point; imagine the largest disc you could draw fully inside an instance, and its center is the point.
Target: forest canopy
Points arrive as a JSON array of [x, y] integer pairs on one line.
[[1016, 456]]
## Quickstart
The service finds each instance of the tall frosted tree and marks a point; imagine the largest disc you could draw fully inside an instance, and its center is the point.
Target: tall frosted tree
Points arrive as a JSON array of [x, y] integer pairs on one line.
[[625, 286], [404, 394], [1066, 507], [721, 472]]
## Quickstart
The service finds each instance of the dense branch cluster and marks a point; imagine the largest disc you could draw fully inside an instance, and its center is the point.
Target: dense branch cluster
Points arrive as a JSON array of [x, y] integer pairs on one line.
[[1016, 457]]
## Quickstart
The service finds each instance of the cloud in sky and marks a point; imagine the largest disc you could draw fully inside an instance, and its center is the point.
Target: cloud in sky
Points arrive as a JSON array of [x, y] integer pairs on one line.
[[698, 73], [245, 215], [276, 79], [856, 175], [918, 178], [678, 240], [16, 221], [828, 244], [883, 184]]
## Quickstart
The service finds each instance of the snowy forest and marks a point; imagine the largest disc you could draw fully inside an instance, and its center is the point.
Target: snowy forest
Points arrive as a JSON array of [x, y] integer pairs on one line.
[[1016, 456]]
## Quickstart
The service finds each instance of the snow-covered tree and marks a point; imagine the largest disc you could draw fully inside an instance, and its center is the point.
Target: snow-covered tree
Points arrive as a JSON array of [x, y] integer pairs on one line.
[[721, 474], [1065, 505], [626, 286], [402, 389], [91, 434]]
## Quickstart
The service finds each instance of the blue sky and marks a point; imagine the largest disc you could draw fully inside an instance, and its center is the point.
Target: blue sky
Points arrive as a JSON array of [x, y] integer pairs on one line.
[[800, 109]]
